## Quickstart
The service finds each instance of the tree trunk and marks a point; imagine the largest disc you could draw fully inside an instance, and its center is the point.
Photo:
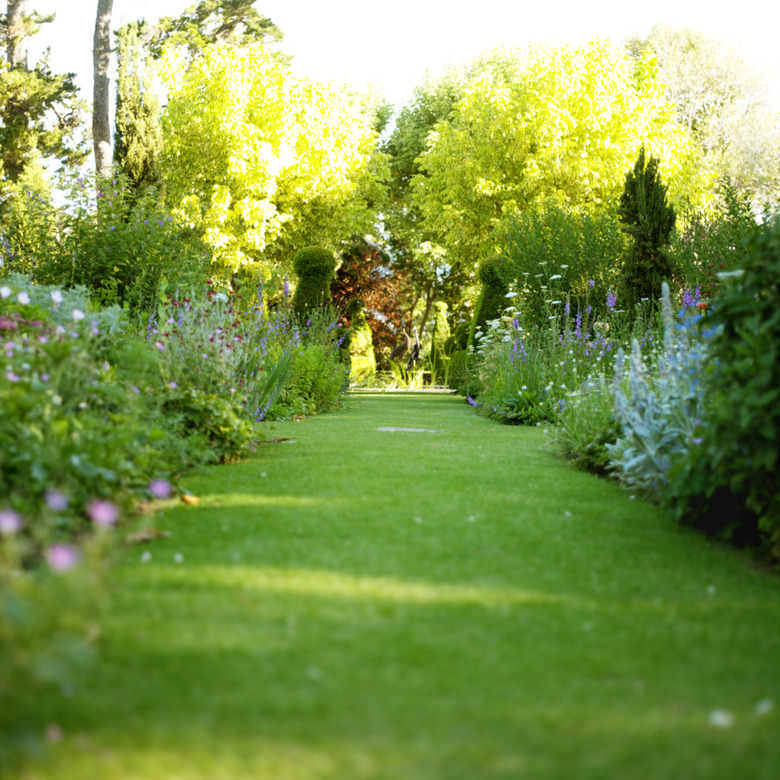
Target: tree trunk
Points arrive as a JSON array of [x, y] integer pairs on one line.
[[101, 58], [17, 39]]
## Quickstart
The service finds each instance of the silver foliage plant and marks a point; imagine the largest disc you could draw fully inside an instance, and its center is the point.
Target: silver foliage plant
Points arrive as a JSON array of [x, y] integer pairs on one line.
[[660, 409]]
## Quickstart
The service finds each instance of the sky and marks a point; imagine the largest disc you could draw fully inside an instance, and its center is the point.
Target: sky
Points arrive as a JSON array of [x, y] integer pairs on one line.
[[392, 45]]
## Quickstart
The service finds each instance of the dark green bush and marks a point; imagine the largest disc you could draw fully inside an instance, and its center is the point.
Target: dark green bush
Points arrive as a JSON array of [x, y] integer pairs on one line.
[[730, 483], [492, 300], [315, 266]]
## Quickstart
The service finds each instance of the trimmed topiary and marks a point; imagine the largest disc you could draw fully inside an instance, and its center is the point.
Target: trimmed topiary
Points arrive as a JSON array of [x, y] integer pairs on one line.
[[492, 298], [315, 266]]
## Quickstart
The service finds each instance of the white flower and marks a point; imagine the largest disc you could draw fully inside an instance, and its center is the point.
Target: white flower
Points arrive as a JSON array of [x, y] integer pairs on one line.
[[556, 276], [78, 315], [5, 292], [721, 719], [56, 296], [221, 297], [764, 707], [511, 295], [23, 298]]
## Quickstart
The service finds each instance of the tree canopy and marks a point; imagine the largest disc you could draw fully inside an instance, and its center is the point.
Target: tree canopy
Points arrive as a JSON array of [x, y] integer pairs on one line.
[[559, 125], [263, 163], [723, 100]]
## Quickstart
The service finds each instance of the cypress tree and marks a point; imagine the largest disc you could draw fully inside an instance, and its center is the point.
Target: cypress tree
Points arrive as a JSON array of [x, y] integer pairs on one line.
[[649, 220], [137, 135]]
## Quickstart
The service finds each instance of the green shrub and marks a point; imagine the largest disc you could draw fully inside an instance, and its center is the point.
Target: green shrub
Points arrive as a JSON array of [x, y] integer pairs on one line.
[[730, 483], [492, 298], [318, 376], [217, 421], [558, 253], [118, 245], [649, 220], [315, 267], [708, 246]]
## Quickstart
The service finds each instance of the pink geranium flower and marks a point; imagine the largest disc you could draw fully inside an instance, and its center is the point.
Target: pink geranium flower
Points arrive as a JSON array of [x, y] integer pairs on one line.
[[102, 513], [62, 557], [10, 522]]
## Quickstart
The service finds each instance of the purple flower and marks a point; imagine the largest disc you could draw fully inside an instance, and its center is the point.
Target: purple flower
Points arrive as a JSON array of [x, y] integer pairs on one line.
[[56, 500], [471, 401], [160, 488], [10, 522], [102, 513], [591, 282], [172, 385], [611, 300], [62, 557], [286, 288], [135, 389]]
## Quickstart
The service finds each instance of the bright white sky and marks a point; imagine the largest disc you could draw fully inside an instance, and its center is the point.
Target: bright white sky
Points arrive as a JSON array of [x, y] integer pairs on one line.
[[393, 44]]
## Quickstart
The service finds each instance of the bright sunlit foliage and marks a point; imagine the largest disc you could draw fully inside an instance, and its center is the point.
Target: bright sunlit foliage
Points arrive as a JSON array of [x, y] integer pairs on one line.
[[561, 125], [261, 162]]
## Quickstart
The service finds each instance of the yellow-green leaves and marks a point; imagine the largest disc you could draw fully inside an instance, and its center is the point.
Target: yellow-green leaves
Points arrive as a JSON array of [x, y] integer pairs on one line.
[[561, 125], [261, 162]]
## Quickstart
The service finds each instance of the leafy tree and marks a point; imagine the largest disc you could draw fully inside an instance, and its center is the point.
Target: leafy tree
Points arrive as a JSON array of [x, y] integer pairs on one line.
[[428, 273], [649, 220], [369, 274], [261, 162], [137, 132], [723, 100], [39, 110], [224, 22], [557, 125]]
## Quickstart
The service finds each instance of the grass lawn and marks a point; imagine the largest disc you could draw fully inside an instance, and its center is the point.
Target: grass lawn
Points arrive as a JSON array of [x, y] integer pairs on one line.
[[359, 604]]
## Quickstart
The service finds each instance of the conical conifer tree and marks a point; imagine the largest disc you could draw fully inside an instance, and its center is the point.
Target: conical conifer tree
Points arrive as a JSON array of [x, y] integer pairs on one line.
[[649, 220]]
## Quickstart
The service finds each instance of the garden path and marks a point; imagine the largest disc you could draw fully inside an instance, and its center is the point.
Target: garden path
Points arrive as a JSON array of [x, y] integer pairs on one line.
[[357, 603]]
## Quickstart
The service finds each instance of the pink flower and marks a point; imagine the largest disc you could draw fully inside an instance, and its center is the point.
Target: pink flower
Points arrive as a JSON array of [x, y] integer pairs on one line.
[[11, 377], [102, 512], [159, 345], [160, 488], [10, 522], [62, 557], [56, 500]]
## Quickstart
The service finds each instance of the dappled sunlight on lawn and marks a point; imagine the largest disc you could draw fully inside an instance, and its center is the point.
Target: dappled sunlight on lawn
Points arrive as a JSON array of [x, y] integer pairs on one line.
[[233, 500], [334, 585]]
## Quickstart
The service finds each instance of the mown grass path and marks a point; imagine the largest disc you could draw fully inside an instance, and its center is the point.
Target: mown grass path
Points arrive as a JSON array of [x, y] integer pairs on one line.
[[365, 604]]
